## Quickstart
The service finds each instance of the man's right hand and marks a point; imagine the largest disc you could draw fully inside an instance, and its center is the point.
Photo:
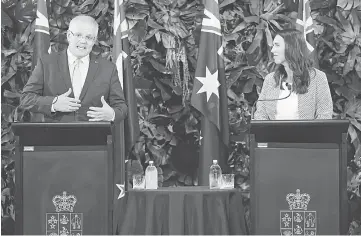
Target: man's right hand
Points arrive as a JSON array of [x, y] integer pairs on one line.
[[66, 104]]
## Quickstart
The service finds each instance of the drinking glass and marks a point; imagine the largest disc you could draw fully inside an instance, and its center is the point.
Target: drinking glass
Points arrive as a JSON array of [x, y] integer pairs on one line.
[[138, 182], [227, 181]]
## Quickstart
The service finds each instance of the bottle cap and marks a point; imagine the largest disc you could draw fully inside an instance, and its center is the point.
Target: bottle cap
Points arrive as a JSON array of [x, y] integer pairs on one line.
[[215, 161], [150, 162]]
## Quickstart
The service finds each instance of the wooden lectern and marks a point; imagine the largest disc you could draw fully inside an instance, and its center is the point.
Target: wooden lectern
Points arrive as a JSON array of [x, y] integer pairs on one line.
[[298, 177], [64, 178]]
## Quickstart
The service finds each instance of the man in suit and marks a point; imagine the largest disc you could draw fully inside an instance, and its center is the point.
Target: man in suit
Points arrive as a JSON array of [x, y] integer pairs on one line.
[[74, 85]]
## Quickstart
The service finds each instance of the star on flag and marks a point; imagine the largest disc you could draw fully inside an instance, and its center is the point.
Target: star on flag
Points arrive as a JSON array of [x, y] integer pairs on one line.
[[200, 137], [210, 84], [122, 192]]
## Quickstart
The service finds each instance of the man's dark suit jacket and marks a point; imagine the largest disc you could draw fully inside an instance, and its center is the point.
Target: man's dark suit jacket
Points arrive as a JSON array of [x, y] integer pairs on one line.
[[51, 77]]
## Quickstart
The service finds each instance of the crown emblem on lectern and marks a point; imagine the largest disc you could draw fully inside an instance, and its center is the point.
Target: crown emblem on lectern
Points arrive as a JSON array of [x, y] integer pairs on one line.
[[64, 202], [64, 221], [298, 220], [298, 201]]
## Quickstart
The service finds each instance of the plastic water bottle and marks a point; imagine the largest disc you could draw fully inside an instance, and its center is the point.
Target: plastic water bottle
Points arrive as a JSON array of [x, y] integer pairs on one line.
[[215, 176], [151, 176]]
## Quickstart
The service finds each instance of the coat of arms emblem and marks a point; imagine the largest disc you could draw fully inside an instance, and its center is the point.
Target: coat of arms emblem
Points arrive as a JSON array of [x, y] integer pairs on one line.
[[64, 221], [298, 220]]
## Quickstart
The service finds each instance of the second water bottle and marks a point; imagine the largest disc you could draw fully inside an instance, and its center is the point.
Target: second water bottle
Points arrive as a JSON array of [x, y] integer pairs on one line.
[[151, 176], [215, 175]]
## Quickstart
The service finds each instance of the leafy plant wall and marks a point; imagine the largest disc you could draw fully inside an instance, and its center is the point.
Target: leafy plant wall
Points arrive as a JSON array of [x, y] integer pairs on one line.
[[164, 38]]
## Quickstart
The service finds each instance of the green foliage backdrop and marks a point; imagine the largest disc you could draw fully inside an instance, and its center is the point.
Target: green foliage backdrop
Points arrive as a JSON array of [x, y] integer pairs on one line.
[[164, 38]]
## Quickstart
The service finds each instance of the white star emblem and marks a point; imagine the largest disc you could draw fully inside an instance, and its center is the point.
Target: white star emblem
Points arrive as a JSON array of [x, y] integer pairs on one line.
[[210, 84], [122, 192]]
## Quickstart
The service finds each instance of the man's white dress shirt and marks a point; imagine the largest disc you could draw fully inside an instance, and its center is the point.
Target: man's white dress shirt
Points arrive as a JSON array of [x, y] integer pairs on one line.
[[77, 77]]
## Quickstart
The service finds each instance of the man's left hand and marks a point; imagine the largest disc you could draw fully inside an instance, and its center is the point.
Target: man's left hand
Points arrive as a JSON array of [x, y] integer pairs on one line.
[[104, 113]]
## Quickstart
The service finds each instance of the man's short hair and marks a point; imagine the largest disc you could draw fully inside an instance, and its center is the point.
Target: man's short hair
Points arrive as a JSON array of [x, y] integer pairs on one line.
[[82, 19]]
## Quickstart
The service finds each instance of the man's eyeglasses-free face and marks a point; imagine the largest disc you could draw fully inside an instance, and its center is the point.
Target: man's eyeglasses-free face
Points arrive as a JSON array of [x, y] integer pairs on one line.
[[79, 37]]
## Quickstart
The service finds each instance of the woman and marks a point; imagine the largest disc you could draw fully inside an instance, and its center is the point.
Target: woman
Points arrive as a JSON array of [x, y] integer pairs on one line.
[[305, 89]]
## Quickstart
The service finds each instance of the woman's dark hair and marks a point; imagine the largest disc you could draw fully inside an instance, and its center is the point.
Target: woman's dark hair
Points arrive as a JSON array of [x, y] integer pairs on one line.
[[298, 58]]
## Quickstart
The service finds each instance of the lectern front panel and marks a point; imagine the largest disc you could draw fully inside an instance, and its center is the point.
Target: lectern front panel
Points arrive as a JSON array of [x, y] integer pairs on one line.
[[65, 191], [305, 202]]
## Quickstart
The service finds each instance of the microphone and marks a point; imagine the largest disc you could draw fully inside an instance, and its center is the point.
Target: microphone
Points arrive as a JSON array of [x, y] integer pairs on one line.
[[288, 85]]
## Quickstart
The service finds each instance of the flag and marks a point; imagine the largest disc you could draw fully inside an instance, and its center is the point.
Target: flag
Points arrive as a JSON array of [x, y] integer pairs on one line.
[[130, 127], [41, 44], [304, 23], [42, 35], [209, 94], [125, 72]]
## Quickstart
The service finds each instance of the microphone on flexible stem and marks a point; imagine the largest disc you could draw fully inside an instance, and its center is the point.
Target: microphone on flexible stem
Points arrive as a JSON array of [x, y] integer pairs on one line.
[[288, 85]]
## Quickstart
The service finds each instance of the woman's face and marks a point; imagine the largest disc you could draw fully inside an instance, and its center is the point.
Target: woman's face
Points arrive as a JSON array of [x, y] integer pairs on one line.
[[278, 50]]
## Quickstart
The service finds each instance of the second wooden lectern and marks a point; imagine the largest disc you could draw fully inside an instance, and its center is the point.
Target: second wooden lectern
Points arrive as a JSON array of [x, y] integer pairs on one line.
[[64, 178], [298, 177]]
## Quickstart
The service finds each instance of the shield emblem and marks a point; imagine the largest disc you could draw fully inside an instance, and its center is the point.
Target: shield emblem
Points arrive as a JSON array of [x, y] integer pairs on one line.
[[298, 220], [64, 221]]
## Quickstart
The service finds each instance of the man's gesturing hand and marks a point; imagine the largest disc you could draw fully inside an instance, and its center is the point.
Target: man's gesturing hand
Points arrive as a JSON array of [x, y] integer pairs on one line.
[[66, 104], [104, 113]]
